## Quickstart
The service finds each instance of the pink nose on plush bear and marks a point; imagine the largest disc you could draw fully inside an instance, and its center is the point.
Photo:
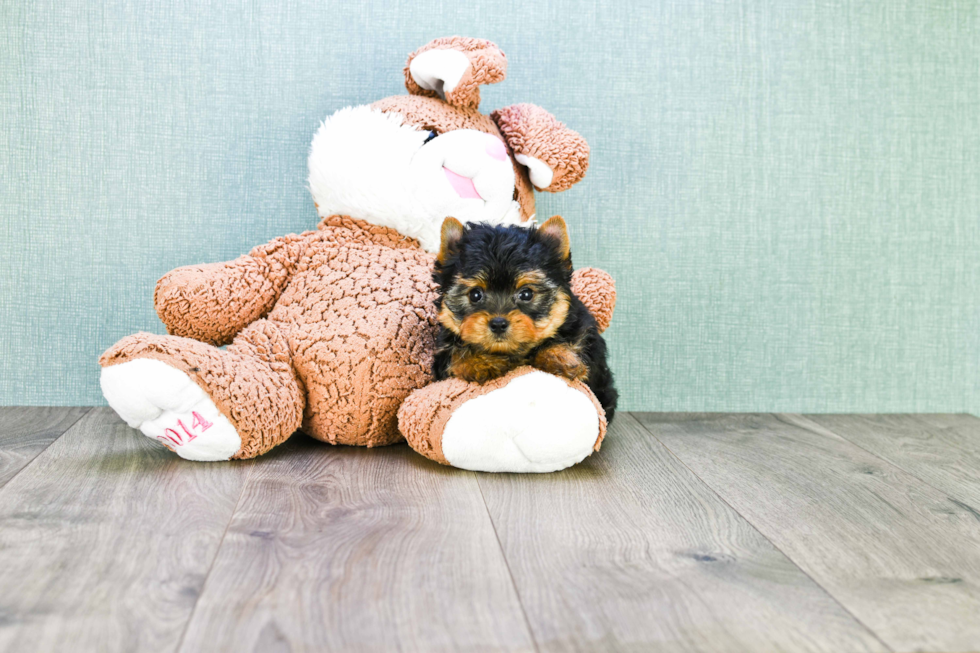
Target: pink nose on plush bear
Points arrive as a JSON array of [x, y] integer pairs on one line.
[[463, 185], [496, 149]]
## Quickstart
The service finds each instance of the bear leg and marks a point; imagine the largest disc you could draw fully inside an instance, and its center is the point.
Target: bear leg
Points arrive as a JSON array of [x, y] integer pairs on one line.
[[202, 402], [525, 421]]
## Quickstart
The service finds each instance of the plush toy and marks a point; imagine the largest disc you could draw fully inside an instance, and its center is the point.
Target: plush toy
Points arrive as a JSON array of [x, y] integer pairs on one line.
[[331, 331]]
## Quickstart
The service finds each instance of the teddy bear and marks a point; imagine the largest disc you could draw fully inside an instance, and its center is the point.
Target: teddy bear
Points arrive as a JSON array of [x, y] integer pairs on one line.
[[331, 331]]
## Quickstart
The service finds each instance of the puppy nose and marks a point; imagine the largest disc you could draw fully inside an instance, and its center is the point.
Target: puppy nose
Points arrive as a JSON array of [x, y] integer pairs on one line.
[[499, 324]]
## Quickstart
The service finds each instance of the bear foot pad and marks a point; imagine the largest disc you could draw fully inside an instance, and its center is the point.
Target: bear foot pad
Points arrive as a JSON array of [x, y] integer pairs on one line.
[[536, 423], [166, 405]]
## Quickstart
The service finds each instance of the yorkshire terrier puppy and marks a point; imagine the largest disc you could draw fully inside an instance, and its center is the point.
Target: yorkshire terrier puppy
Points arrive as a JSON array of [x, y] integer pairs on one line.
[[506, 301]]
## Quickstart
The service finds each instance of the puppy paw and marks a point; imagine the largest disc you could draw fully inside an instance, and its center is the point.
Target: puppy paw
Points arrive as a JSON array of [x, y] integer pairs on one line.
[[479, 368], [561, 360], [166, 405]]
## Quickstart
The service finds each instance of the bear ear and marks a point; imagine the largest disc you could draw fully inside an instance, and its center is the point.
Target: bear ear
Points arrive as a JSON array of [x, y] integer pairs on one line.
[[556, 157], [453, 68]]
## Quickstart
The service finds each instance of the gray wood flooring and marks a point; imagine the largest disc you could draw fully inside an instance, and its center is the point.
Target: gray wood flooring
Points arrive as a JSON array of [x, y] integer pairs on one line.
[[687, 532]]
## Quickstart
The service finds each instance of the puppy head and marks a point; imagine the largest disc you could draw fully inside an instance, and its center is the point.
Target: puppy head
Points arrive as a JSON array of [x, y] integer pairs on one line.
[[504, 289]]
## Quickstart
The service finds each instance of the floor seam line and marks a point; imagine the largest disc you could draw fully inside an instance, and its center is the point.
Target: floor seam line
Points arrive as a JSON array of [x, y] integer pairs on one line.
[[763, 535], [48, 446], [217, 552], [510, 574], [883, 458]]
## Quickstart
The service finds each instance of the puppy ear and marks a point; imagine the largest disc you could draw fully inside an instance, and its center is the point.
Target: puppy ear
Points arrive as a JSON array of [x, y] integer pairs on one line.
[[556, 157], [452, 231], [556, 229], [453, 68]]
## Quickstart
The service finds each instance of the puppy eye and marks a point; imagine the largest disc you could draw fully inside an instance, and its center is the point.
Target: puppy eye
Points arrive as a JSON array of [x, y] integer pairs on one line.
[[428, 138], [525, 295], [476, 295]]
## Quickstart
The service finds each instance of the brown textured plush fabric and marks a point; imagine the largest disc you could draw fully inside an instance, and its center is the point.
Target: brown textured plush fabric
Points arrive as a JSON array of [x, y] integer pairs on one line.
[[213, 302], [533, 131], [343, 332], [436, 115], [348, 334], [488, 65], [597, 290], [252, 382], [425, 413]]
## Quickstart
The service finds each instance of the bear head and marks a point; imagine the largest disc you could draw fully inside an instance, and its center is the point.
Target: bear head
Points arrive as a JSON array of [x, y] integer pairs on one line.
[[409, 161]]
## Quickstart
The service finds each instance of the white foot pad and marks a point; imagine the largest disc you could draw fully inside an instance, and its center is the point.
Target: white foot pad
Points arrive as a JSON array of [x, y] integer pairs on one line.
[[166, 405], [536, 423]]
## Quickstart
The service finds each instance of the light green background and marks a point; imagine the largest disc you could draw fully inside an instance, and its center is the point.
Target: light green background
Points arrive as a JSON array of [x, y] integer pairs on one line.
[[788, 193]]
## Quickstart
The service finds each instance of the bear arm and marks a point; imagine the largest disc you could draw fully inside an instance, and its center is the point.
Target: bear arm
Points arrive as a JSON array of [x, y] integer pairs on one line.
[[597, 290], [213, 302], [453, 68]]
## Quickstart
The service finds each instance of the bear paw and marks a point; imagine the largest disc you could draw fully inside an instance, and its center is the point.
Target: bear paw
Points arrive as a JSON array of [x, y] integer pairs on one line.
[[166, 405], [527, 421]]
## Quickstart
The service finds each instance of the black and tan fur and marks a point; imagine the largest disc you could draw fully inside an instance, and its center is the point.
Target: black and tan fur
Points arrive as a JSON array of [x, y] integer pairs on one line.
[[520, 279]]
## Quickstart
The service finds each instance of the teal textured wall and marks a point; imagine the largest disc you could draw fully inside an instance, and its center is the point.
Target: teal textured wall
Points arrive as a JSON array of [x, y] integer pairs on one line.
[[787, 192]]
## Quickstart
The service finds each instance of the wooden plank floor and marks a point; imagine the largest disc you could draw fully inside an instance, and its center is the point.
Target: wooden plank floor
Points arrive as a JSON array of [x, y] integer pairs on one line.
[[685, 533]]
